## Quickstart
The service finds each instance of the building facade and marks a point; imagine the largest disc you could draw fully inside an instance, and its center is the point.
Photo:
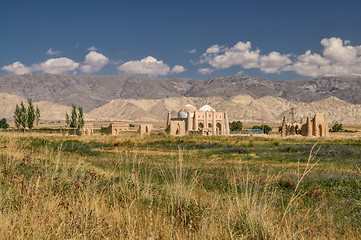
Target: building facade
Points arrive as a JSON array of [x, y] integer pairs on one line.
[[316, 127], [205, 121]]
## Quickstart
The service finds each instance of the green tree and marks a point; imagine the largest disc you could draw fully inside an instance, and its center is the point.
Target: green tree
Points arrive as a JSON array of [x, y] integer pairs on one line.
[[30, 114], [76, 120], [74, 117], [37, 115], [67, 119], [235, 126], [3, 123], [266, 129], [80, 118], [337, 127], [23, 115], [17, 116]]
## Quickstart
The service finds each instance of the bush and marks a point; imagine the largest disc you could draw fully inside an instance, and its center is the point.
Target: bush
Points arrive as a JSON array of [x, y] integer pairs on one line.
[[235, 126], [266, 129], [337, 127], [3, 123]]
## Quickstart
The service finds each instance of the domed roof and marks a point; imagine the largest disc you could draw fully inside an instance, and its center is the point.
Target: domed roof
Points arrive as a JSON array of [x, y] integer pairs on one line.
[[207, 108], [190, 108], [182, 114]]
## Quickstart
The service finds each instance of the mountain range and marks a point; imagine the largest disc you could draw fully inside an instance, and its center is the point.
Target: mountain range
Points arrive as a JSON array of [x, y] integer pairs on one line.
[[137, 98]]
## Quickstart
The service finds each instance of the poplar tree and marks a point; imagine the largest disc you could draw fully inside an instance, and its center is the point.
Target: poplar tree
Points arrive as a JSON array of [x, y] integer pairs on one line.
[[80, 118], [37, 115], [30, 116], [23, 115], [17, 116], [74, 117]]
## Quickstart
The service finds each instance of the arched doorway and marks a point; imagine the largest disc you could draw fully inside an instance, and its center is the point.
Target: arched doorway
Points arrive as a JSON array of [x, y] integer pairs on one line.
[[200, 126], [178, 131], [218, 128]]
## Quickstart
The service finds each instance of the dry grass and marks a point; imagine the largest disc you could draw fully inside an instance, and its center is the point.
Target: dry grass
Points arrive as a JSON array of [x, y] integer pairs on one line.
[[130, 192]]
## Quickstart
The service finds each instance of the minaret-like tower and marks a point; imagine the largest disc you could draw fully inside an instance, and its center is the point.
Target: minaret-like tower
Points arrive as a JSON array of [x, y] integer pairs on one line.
[[226, 124], [168, 119], [284, 127]]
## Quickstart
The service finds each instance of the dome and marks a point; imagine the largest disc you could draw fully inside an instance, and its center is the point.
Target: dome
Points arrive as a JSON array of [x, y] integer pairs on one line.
[[207, 108], [182, 114], [190, 108]]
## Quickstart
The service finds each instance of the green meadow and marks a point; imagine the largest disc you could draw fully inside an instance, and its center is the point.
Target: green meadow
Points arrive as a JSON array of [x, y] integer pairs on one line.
[[193, 187]]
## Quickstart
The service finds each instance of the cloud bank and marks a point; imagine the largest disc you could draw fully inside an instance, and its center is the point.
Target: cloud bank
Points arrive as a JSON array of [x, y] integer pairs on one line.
[[93, 62], [149, 66], [337, 58], [16, 68]]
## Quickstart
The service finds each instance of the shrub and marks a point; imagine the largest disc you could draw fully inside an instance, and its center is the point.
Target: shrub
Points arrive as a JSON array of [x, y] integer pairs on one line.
[[266, 129], [235, 126], [337, 127], [3, 123]]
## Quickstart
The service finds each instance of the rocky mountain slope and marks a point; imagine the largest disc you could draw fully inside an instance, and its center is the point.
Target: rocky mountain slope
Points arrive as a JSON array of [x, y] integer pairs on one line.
[[147, 99], [242, 107], [91, 92]]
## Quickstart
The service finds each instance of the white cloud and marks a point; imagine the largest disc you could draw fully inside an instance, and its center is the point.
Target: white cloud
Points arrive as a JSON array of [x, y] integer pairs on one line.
[[191, 51], [92, 48], [16, 68], [213, 49], [337, 59], [53, 52], [178, 69], [149, 66], [205, 71], [274, 62], [240, 54], [94, 62], [56, 65]]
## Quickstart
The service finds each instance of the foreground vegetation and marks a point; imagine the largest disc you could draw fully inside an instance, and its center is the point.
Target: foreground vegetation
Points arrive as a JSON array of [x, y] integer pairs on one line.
[[160, 187]]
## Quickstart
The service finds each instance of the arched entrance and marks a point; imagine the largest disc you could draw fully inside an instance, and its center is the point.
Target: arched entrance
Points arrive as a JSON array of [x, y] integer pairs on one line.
[[177, 132], [218, 128]]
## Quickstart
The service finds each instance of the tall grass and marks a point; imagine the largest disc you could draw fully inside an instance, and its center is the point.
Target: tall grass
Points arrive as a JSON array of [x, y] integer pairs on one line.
[[62, 192]]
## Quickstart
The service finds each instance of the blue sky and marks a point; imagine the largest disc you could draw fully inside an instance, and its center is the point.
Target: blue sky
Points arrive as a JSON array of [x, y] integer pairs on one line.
[[181, 39]]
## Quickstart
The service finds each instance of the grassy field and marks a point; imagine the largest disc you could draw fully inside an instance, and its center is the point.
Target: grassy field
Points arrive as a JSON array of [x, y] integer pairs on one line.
[[161, 187]]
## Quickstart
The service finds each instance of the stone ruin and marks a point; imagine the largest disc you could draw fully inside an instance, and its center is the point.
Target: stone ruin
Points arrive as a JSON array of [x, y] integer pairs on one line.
[[316, 127], [205, 121], [117, 128], [145, 129], [88, 129]]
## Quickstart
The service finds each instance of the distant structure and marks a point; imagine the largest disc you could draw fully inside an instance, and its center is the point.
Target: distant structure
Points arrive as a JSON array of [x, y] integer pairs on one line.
[[117, 128], [205, 121], [88, 129], [145, 129], [317, 127]]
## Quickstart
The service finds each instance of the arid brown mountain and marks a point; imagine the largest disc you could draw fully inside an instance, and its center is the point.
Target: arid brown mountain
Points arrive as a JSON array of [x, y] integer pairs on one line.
[[91, 92], [247, 99], [303, 90], [242, 107]]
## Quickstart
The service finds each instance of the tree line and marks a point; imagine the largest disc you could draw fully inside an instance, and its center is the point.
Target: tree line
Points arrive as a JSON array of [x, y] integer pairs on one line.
[[26, 116]]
